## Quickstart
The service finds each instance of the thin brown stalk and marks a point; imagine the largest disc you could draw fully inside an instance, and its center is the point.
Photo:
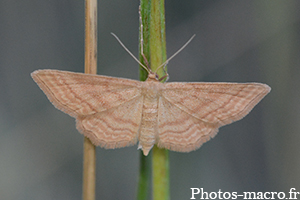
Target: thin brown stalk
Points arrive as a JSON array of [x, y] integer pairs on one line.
[[90, 67]]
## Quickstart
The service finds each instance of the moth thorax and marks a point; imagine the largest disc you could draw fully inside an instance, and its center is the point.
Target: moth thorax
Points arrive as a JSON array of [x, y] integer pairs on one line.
[[151, 91]]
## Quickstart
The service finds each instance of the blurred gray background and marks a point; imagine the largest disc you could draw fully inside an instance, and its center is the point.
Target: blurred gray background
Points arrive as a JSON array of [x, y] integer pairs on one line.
[[236, 41]]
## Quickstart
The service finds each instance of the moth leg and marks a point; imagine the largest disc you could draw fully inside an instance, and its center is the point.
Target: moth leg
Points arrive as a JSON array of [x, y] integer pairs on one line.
[[142, 40], [166, 76]]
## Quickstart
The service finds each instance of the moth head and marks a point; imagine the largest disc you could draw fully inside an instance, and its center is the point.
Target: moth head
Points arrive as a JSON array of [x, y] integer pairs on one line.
[[153, 76]]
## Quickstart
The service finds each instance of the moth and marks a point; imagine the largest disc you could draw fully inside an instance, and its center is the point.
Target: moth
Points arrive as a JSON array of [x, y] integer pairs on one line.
[[118, 112]]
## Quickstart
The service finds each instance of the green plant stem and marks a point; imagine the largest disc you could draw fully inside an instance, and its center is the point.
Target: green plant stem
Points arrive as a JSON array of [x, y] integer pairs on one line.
[[157, 35], [160, 173], [144, 177], [154, 48], [160, 157]]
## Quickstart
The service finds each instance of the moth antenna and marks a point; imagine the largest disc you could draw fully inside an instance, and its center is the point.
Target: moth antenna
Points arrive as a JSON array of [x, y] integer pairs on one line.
[[130, 53], [179, 50]]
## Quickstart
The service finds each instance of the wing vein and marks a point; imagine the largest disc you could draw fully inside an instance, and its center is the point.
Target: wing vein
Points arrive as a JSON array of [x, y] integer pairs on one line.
[[183, 110]]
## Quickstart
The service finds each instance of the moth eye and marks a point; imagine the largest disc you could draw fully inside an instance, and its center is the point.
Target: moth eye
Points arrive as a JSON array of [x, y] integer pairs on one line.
[[156, 76]]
